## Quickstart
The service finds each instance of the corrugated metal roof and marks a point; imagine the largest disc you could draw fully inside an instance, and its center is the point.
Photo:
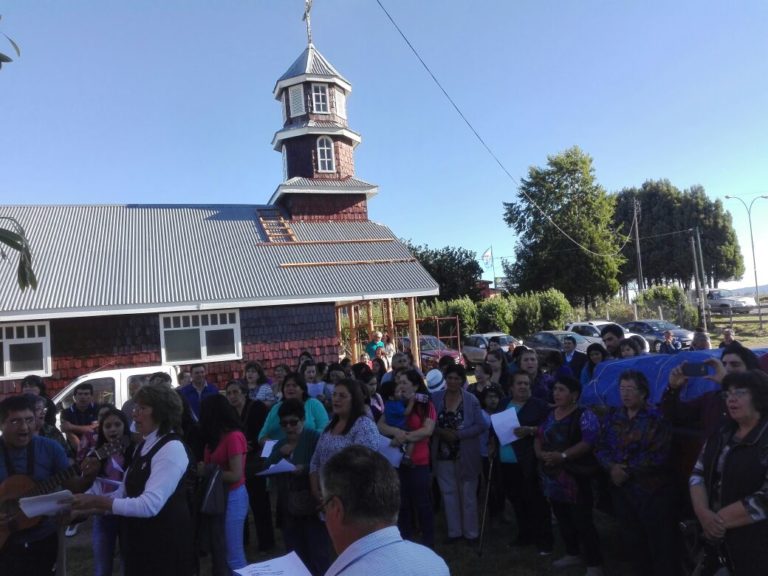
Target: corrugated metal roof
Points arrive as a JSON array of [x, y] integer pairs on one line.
[[91, 258], [310, 61]]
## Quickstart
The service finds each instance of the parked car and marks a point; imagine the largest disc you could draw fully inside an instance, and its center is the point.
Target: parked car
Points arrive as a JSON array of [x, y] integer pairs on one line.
[[553, 340], [653, 331], [726, 302], [592, 328], [475, 346], [110, 386], [431, 349]]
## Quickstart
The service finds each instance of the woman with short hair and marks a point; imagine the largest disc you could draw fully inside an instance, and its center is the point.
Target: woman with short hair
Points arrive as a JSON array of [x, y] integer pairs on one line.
[[155, 519], [729, 484], [303, 531], [456, 453], [563, 446], [315, 415], [634, 448]]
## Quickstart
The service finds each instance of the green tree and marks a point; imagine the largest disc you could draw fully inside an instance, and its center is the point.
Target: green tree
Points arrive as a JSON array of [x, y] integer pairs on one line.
[[567, 191], [456, 270], [667, 215], [14, 238], [494, 314]]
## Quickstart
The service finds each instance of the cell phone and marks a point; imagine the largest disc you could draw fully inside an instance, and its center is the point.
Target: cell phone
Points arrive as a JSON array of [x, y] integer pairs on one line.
[[694, 369]]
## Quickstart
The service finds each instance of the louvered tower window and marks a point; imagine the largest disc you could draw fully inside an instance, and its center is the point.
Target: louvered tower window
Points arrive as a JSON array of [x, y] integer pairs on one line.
[[325, 161], [296, 100]]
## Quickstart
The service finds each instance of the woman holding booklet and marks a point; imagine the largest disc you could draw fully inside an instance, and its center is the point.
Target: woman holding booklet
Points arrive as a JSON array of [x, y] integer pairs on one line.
[[297, 512]]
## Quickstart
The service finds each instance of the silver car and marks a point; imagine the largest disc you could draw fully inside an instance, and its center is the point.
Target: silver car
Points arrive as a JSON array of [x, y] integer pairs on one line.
[[475, 346]]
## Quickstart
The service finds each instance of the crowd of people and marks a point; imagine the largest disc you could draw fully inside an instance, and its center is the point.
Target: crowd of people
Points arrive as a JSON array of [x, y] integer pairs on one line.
[[171, 478]]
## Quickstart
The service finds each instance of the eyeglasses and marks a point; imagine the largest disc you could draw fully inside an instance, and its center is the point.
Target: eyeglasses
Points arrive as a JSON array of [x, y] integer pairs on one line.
[[17, 422], [325, 502], [289, 422], [735, 393]]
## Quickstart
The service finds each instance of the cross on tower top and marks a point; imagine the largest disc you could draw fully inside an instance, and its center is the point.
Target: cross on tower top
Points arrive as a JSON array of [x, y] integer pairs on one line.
[[307, 19]]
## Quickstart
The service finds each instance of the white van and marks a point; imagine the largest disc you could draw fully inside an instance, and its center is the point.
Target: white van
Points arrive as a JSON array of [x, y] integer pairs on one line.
[[110, 386]]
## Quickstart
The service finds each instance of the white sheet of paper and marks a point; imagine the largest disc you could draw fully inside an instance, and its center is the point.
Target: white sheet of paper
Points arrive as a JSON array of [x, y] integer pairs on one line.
[[268, 447], [288, 565], [45, 505], [391, 453], [279, 468], [504, 424]]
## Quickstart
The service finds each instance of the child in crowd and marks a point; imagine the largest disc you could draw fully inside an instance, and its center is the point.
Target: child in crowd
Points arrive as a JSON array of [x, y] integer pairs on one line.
[[259, 386], [107, 475], [396, 412]]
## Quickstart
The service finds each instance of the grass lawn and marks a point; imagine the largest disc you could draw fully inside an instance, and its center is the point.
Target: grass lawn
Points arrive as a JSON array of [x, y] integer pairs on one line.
[[747, 328]]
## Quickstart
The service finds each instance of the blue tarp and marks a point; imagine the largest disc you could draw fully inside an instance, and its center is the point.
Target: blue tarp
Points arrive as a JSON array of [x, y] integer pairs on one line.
[[604, 386]]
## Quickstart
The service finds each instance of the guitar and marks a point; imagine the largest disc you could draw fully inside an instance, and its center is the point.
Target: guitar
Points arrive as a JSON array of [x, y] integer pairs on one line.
[[21, 486]]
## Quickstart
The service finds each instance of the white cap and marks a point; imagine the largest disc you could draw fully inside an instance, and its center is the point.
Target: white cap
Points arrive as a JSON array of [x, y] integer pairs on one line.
[[435, 380]]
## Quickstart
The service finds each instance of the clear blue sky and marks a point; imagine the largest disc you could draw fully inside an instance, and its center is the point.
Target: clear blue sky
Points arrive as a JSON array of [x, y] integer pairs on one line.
[[171, 101]]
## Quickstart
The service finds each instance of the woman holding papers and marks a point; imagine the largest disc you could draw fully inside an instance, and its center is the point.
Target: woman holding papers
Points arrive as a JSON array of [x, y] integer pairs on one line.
[[563, 446], [519, 467], [303, 531], [225, 446], [155, 523]]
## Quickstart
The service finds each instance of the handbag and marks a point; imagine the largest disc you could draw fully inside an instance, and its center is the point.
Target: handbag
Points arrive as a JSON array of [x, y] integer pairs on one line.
[[214, 497]]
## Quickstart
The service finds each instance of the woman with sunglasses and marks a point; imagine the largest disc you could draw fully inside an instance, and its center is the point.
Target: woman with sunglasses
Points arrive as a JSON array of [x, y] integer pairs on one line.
[[303, 531]]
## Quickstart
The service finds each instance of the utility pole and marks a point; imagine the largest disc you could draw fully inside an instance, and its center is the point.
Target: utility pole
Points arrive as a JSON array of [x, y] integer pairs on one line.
[[754, 260], [636, 226], [702, 310], [703, 295]]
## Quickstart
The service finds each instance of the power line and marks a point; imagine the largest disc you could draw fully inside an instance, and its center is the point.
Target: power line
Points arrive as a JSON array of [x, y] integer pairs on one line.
[[488, 148], [686, 231]]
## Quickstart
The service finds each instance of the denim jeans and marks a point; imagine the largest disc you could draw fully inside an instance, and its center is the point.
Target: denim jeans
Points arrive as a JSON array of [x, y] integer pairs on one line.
[[237, 509], [104, 535]]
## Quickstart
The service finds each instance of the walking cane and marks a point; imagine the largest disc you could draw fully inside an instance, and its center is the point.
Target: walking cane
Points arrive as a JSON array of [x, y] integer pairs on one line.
[[485, 507]]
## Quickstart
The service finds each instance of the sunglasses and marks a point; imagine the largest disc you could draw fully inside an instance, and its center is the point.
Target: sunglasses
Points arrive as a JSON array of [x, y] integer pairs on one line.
[[289, 422]]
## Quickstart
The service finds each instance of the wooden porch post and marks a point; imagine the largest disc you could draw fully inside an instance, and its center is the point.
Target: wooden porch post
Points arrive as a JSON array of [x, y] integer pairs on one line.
[[413, 332], [339, 321], [390, 319], [369, 311], [352, 334]]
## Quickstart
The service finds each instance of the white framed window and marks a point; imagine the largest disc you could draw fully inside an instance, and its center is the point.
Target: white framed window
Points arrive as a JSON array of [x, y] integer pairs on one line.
[[199, 336], [320, 99], [296, 100], [325, 160], [282, 106], [25, 349], [341, 102], [285, 163]]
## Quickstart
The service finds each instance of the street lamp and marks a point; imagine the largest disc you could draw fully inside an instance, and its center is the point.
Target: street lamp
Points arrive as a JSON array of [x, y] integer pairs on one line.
[[752, 240]]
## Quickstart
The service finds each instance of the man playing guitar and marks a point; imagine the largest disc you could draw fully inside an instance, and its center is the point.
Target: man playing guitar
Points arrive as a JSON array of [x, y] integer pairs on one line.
[[30, 551]]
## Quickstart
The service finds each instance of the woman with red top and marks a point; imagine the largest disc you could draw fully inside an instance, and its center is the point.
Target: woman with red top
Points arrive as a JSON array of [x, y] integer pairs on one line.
[[225, 446], [415, 479]]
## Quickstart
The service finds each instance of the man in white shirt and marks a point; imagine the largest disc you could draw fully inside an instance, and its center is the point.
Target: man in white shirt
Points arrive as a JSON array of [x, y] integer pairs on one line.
[[361, 499]]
